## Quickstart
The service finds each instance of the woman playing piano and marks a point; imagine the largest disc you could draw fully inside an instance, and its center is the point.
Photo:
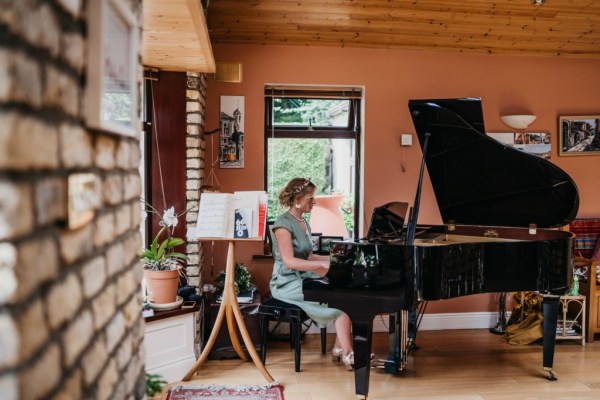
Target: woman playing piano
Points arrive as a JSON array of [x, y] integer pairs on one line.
[[294, 261]]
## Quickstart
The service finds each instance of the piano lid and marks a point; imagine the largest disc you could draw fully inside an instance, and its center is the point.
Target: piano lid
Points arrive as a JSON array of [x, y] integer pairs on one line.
[[479, 181]]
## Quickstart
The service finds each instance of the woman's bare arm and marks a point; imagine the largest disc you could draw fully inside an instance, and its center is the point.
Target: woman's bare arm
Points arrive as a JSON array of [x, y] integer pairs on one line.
[[317, 264]]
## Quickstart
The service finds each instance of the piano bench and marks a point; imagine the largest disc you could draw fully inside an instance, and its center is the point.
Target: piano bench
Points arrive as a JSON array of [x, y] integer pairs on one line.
[[280, 311]]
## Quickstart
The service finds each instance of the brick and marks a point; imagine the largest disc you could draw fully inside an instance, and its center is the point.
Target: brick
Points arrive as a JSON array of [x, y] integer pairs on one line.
[[132, 312], [126, 285], [132, 186], [193, 130], [122, 219], [93, 276], [104, 307], [112, 189], [194, 282], [72, 50], [104, 229], [75, 244], [77, 336], [192, 271], [16, 210], [122, 154], [61, 91], [63, 301], [34, 270], [71, 389], [8, 277], [125, 352], [132, 247], [192, 174], [135, 156], [19, 78], [26, 143], [33, 332], [75, 147], [192, 107], [192, 194], [37, 380], [105, 153], [191, 248], [193, 118], [192, 163], [114, 331], [107, 381], [191, 217], [192, 184], [9, 342], [192, 82], [93, 361], [43, 28], [192, 153], [50, 200], [136, 214], [192, 94], [193, 259], [114, 258]]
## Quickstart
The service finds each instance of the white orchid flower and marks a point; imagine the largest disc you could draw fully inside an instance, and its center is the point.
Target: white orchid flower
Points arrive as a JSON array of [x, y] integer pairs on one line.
[[170, 218]]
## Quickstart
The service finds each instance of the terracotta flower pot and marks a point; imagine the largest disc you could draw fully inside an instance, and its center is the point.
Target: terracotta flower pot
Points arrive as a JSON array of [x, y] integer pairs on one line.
[[162, 285]]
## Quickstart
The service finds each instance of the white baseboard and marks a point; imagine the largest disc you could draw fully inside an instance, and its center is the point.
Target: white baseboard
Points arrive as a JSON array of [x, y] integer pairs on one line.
[[436, 322]]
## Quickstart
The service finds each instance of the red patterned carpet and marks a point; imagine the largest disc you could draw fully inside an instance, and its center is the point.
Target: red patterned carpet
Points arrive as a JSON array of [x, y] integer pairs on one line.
[[220, 392]]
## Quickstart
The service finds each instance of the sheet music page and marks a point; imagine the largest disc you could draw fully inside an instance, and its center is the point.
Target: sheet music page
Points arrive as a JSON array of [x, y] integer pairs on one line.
[[213, 216]]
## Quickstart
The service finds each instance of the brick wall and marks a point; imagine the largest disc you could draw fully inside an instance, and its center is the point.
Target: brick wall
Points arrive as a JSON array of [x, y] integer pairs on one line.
[[70, 321]]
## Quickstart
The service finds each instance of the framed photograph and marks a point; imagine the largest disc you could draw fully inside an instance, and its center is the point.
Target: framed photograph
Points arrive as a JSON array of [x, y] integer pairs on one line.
[[534, 143], [325, 241], [111, 91], [268, 240], [578, 136], [232, 132], [315, 238]]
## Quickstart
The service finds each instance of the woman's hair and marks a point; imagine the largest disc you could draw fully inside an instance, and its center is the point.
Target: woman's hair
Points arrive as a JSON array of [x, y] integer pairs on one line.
[[297, 187]]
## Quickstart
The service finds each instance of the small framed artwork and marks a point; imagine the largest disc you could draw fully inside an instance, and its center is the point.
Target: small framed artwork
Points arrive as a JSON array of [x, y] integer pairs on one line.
[[268, 241], [232, 132], [534, 143], [578, 135], [112, 86], [325, 241], [315, 238]]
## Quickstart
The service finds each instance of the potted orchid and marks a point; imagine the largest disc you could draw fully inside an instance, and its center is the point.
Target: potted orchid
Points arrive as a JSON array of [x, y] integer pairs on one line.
[[162, 265]]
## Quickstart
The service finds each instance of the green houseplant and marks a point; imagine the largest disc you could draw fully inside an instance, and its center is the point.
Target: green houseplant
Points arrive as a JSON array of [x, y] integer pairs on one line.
[[162, 264]]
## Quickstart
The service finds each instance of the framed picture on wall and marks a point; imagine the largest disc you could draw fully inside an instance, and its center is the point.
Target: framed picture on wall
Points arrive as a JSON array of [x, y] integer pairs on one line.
[[578, 135], [232, 132], [111, 93], [534, 143]]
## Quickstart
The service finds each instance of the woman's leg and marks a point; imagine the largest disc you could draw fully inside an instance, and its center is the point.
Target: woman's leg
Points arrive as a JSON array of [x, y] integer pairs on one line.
[[343, 328]]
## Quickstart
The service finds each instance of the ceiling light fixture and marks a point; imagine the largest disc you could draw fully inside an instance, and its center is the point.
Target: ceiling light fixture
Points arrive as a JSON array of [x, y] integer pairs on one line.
[[538, 2]]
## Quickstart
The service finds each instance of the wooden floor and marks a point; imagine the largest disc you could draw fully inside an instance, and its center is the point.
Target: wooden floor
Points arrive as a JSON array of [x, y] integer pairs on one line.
[[456, 364]]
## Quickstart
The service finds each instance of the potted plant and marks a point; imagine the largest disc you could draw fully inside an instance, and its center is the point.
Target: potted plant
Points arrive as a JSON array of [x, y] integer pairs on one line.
[[162, 265]]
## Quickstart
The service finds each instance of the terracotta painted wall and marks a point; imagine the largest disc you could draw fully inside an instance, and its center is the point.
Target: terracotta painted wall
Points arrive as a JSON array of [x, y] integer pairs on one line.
[[546, 87]]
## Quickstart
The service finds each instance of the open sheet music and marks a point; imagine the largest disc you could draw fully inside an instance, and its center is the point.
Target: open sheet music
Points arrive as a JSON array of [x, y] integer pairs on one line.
[[235, 215]]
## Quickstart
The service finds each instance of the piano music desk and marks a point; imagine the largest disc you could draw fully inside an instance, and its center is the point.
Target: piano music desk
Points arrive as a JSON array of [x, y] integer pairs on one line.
[[230, 308]]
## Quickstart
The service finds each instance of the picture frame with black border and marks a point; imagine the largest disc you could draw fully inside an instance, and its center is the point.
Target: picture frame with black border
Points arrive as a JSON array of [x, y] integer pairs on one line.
[[315, 238], [325, 241], [268, 240]]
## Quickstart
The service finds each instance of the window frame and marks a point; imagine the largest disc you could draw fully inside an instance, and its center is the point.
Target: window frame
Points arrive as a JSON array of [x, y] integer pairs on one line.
[[352, 131]]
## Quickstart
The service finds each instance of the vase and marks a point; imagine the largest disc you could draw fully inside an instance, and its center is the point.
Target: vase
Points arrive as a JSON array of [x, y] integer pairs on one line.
[[326, 216], [161, 286]]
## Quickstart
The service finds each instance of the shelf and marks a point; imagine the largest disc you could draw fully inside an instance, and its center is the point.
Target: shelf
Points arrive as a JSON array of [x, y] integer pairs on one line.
[[573, 323]]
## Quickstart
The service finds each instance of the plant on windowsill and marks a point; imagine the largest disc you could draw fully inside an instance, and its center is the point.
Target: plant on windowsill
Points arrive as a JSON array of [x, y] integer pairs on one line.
[[162, 265]]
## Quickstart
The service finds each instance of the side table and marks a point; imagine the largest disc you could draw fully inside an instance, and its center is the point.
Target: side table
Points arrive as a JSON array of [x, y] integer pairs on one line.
[[566, 328], [223, 348]]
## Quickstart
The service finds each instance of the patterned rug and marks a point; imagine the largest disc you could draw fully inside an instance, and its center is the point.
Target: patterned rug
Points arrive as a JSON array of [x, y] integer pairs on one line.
[[218, 392]]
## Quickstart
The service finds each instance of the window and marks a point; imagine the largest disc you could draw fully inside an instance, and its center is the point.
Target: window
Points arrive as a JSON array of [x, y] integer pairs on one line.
[[314, 133]]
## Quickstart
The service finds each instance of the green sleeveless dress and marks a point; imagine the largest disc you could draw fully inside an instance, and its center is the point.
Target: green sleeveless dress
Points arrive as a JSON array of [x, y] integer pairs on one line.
[[286, 284]]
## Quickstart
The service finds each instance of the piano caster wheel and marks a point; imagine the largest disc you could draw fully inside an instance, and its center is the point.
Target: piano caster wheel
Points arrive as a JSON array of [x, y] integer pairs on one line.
[[551, 376], [361, 396]]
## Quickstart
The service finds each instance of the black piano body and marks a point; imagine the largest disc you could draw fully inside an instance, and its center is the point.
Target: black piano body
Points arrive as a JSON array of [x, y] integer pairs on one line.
[[497, 204]]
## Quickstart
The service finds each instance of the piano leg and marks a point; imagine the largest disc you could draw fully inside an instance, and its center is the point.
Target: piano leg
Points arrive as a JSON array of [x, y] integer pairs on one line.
[[390, 365], [550, 309], [362, 334]]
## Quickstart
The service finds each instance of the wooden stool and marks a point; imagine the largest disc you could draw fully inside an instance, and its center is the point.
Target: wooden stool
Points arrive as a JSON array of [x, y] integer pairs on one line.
[[280, 311]]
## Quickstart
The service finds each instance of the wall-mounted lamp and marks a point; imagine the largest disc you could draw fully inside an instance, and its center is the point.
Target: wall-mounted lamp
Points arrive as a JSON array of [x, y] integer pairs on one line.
[[518, 121]]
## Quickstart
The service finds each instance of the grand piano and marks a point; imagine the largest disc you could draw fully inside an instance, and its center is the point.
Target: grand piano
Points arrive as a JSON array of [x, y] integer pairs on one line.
[[497, 204]]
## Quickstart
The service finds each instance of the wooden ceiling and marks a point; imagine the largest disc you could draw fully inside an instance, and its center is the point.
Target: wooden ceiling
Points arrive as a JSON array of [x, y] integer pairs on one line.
[[175, 37], [567, 28]]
